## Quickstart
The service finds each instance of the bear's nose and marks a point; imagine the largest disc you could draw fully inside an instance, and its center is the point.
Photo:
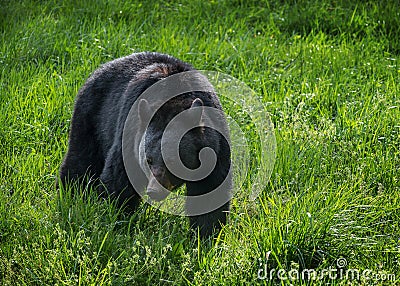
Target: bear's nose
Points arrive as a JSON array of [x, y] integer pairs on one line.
[[157, 195], [156, 191]]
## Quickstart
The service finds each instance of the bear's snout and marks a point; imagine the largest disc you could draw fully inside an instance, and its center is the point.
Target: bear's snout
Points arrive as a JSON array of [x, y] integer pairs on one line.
[[155, 188]]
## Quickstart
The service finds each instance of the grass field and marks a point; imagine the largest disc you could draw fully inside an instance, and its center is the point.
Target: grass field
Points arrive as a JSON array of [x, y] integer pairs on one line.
[[328, 72]]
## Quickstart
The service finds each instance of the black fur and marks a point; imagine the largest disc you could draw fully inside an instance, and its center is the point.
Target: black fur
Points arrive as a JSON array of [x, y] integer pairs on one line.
[[101, 108]]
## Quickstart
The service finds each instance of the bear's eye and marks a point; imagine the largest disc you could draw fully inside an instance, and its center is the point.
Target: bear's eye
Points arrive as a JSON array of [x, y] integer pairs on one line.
[[149, 161]]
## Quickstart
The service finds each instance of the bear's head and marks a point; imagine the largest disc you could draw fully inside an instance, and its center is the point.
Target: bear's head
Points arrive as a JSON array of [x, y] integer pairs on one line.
[[160, 150]]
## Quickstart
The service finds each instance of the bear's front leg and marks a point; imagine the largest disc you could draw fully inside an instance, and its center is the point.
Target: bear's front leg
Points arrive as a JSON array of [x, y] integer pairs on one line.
[[214, 206], [115, 182], [210, 223]]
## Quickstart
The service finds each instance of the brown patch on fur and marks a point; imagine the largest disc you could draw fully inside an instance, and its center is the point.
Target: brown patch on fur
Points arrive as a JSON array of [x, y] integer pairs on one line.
[[156, 70]]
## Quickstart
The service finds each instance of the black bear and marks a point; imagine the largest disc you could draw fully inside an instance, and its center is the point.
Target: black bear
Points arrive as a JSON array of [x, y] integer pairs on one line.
[[95, 153]]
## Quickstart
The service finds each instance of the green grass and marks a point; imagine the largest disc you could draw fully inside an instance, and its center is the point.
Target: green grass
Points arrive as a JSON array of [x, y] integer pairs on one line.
[[328, 73]]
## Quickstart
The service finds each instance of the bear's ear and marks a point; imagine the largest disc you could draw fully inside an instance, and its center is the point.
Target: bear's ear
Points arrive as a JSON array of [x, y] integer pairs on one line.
[[144, 111], [196, 113]]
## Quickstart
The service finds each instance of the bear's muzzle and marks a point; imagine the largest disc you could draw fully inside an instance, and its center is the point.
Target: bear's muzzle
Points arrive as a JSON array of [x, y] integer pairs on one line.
[[158, 191]]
